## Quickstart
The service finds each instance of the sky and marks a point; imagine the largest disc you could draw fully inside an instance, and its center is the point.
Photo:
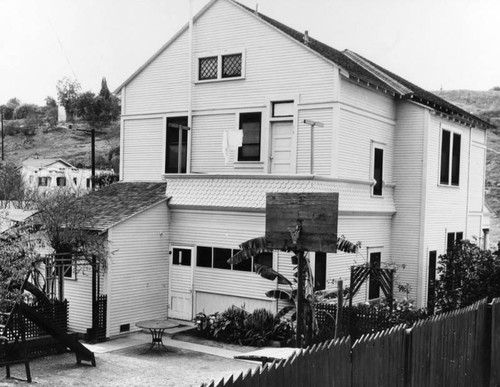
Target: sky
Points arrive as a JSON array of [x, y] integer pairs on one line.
[[436, 44]]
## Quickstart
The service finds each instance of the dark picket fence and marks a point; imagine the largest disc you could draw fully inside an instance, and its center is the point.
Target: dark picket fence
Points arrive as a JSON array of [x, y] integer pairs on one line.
[[458, 348]]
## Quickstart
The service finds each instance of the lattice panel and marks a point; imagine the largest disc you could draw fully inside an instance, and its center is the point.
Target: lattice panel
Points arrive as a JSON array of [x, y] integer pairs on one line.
[[208, 68], [231, 66]]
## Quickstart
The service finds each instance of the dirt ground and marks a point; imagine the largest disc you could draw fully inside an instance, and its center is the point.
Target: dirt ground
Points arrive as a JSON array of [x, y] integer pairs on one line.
[[131, 366]]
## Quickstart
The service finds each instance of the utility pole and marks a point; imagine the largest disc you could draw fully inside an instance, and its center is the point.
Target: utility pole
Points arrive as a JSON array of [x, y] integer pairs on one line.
[[1, 125], [92, 150]]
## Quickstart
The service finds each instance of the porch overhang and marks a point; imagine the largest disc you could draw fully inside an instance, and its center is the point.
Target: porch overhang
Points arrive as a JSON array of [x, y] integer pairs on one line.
[[247, 193]]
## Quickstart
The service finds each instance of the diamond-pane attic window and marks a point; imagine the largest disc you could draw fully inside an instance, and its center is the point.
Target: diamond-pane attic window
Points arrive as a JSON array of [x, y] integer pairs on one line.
[[208, 68], [231, 66]]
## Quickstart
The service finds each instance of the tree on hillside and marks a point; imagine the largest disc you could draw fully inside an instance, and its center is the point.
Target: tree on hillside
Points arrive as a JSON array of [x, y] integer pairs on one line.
[[50, 111], [104, 93], [50, 102], [13, 103], [67, 92], [9, 107], [25, 110], [98, 110]]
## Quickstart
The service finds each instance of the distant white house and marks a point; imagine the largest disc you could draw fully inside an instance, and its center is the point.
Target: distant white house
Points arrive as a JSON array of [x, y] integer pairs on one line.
[[47, 174]]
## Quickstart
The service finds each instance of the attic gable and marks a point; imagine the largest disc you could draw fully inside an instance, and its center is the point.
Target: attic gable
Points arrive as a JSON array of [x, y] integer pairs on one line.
[[351, 65]]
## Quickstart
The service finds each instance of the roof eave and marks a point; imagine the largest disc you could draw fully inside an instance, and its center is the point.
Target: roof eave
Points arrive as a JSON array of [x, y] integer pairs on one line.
[[162, 48], [449, 113]]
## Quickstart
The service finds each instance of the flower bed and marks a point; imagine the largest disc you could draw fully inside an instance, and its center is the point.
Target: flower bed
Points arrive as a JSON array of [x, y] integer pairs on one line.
[[236, 325]]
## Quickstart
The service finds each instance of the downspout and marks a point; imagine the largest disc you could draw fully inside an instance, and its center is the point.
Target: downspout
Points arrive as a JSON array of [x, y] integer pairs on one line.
[[466, 231], [423, 208], [190, 87]]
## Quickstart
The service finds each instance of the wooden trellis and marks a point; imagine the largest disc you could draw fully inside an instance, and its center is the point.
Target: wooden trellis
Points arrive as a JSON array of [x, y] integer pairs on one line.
[[385, 278]]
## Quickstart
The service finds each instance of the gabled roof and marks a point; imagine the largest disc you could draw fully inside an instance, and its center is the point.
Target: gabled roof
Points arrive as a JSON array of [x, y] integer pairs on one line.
[[43, 163], [120, 201], [352, 65], [373, 74]]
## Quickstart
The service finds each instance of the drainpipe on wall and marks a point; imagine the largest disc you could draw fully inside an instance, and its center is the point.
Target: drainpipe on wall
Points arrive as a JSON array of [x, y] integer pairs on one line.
[[190, 87]]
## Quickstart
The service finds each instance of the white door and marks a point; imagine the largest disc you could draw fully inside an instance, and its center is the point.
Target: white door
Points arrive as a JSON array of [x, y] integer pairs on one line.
[[281, 147], [181, 283]]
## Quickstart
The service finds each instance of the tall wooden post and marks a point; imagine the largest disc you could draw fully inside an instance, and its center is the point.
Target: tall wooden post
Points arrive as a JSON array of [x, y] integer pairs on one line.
[[340, 309], [95, 310], [1, 126], [300, 300]]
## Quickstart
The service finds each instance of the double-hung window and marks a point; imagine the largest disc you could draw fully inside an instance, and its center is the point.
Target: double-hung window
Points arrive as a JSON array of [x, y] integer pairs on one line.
[[221, 67], [450, 158], [377, 168], [453, 238], [250, 124]]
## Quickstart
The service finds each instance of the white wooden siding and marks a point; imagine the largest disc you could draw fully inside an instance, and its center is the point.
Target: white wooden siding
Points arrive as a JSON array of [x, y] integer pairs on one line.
[[207, 155], [143, 149], [163, 85], [138, 269], [365, 116], [322, 137], [476, 178], [446, 207], [474, 232], [274, 63], [359, 97], [408, 173], [79, 295], [220, 229]]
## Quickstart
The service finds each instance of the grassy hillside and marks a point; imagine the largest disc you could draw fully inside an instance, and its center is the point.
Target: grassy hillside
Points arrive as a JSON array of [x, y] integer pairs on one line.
[[62, 142]]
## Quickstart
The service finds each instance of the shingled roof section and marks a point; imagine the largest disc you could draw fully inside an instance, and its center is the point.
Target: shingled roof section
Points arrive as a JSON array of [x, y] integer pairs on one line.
[[377, 76], [118, 202]]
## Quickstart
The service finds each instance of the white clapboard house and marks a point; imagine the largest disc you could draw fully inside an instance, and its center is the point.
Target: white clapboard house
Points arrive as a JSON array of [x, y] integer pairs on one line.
[[236, 105]]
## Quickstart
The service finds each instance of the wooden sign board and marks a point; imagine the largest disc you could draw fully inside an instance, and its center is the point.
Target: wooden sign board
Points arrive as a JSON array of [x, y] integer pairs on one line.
[[313, 214]]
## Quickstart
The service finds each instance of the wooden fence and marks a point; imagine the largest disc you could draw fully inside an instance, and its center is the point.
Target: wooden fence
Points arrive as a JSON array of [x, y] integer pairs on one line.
[[458, 348]]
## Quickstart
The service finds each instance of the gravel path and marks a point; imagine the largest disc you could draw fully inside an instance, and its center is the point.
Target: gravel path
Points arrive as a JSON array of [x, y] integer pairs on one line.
[[130, 367]]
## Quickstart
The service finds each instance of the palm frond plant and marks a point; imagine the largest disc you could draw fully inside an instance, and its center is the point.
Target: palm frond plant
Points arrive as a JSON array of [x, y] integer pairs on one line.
[[252, 248]]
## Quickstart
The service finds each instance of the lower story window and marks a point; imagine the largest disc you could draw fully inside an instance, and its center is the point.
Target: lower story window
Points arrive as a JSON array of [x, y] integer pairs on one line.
[[44, 181], [181, 257], [217, 257], [453, 238]]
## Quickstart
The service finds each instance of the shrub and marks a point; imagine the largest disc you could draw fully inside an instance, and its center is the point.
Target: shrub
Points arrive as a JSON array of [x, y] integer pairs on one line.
[[258, 327], [237, 326], [25, 110], [467, 274]]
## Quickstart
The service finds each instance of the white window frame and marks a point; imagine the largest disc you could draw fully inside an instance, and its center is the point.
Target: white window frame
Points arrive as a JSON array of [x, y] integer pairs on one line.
[[263, 139], [377, 145], [450, 165], [219, 56]]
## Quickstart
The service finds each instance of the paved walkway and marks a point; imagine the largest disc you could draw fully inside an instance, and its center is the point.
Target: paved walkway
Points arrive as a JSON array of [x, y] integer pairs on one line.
[[141, 337]]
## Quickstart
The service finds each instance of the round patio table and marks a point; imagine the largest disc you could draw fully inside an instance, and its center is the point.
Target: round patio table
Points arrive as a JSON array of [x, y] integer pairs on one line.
[[156, 328]]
